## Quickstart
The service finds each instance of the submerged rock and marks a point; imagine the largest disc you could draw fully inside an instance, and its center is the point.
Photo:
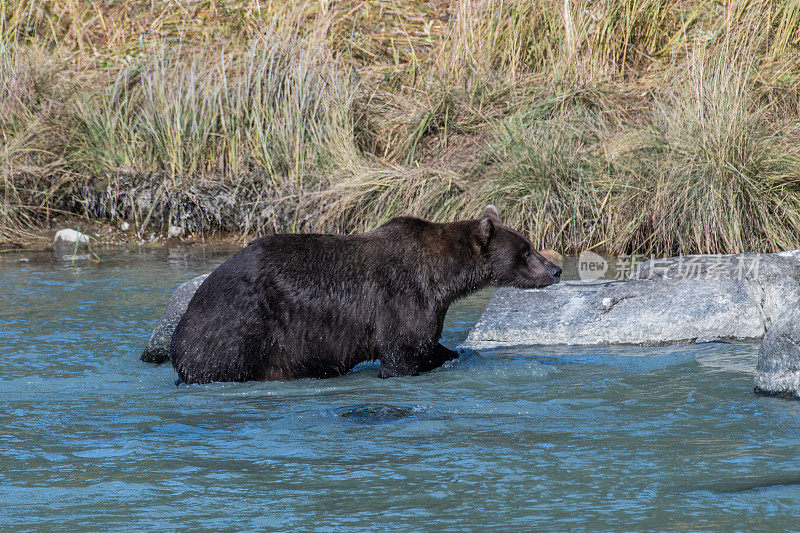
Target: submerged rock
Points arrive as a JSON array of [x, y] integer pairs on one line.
[[778, 367], [375, 413], [71, 236], [681, 299], [157, 350]]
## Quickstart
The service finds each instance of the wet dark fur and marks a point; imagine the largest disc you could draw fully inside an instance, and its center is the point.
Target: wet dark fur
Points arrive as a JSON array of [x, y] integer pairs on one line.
[[315, 306]]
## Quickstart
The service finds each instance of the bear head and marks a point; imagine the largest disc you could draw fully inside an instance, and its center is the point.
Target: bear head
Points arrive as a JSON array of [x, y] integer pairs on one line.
[[512, 258]]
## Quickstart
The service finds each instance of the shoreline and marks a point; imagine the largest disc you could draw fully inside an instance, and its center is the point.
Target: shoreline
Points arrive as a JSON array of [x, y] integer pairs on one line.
[[106, 236]]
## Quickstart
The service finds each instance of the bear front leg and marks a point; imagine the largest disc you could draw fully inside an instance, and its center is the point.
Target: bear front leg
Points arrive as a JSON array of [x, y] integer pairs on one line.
[[393, 367], [409, 341], [439, 356], [410, 362], [400, 361]]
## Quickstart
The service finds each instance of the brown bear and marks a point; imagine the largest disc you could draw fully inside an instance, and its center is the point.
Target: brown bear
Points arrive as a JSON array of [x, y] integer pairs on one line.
[[314, 306]]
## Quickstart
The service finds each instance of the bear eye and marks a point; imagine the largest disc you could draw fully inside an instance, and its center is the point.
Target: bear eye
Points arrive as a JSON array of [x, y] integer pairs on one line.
[[526, 253]]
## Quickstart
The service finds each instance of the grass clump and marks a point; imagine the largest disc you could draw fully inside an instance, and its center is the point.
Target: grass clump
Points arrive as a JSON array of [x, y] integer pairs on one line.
[[724, 165], [371, 196], [539, 170]]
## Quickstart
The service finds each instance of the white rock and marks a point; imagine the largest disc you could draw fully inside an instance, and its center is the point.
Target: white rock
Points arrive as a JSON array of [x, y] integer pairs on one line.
[[124, 226], [174, 231], [71, 236], [793, 254]]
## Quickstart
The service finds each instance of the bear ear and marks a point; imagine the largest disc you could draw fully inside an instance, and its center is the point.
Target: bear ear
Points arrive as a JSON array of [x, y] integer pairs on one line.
[[485, 230], [492, 214]]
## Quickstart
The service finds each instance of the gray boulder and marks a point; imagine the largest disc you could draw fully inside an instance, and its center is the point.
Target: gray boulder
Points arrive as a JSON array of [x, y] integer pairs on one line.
[[157, 350], [681, 299], [778, 366]]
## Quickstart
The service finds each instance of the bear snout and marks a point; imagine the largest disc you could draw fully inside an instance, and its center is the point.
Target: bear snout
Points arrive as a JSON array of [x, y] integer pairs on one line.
[[555, 273]]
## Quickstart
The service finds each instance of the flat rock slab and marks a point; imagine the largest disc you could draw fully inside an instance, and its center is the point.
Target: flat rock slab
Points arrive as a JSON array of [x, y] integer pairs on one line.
[[157, 350], [665, 301]]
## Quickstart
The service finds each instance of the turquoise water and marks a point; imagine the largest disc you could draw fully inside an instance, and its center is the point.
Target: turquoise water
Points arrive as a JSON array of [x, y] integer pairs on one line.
[[553, 438]]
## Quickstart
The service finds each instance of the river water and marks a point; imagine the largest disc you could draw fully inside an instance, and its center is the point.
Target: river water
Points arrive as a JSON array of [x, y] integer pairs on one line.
[[554, 438]]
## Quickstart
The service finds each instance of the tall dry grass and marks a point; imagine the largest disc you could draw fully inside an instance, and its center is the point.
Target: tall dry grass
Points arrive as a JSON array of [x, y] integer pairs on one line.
[[725, 166], [275, 106], [653, 126]]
